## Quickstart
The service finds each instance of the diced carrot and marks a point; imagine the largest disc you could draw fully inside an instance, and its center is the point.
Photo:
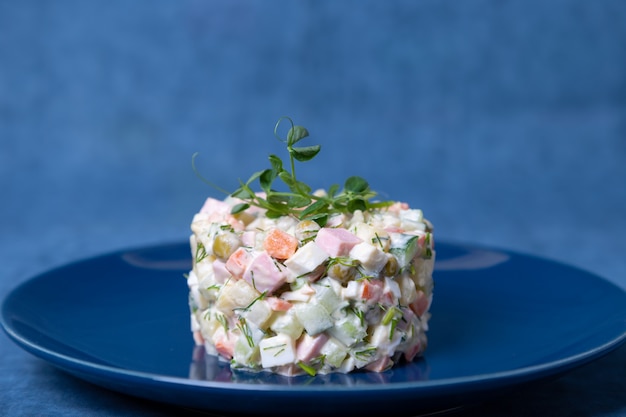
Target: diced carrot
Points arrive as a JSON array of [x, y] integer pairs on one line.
[[278, 304], [280, 244], [372, 289]]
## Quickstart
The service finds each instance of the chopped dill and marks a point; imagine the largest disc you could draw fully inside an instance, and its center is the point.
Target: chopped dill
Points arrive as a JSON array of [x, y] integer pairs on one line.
[[311, 371], [247, 308], [201, 252], [378, 239], [282, 345], [365, 353], [359, 313], [243, 327], [222, 319]]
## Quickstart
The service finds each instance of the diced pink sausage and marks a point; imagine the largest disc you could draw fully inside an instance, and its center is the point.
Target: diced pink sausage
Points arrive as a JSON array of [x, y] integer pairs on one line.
[[264, 274], [248, 238], [413, 351], [336, 242], [219, 212], [220, 272], [421, 303], [309, 346], [380, 365], [407, 319], [238, 262], [212, 205]]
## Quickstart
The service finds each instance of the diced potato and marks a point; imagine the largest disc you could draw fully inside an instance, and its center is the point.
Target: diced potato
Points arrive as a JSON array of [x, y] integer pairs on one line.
[[306, 230], [371, 258], [235, 294], [306, 259], [407, 289], [373, 235], [259, 313], [277, 350], [225, 244]]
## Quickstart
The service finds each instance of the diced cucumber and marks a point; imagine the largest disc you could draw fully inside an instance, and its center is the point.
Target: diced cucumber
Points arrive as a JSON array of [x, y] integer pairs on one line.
[[349, 330], [404, 247], [363, 355], [244, 354], [287, 323], [327, 298], [314, 317], [334, 352]]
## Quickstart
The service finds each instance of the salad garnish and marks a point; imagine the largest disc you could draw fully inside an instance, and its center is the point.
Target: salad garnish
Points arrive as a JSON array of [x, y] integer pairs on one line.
[[298, 200]]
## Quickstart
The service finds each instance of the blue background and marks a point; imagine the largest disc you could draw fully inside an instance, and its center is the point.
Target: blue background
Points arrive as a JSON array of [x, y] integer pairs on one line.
[[505, 121]]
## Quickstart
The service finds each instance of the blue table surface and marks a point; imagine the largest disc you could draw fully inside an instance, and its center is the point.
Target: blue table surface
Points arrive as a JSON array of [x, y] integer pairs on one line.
[[504, 121]]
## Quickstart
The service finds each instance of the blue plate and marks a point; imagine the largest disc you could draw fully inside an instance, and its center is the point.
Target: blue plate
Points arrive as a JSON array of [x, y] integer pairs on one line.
[[500, 319]]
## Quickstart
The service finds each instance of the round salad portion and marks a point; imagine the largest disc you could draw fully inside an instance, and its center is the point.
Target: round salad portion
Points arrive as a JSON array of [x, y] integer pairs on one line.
[[289, 296], [293, 281]]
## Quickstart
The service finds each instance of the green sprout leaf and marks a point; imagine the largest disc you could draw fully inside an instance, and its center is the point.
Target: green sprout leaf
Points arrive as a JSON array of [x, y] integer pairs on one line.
[[356, 204], [304, 154], [277, 164], [266, 179], [356, 185], [241, 207], [316, 208], [295, 134]]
